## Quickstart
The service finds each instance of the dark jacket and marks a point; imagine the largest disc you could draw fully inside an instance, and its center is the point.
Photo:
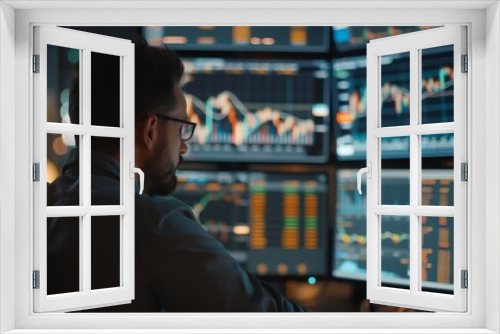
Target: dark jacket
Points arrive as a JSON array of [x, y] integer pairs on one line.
[[179, 267]]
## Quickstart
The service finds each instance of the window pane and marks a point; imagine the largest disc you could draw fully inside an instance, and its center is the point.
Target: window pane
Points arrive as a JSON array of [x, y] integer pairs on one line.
[[437, 254], [395, 89], [349, 243], [63, 255], [437, 84], [62, 65], [395, 184], [106, 182], [438, 146], [62, 156], [105, 90], [395, 251], [437, 185], [105, 258]]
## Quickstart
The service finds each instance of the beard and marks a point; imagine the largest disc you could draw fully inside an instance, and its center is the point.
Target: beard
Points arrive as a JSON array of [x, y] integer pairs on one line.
[[160, 178]]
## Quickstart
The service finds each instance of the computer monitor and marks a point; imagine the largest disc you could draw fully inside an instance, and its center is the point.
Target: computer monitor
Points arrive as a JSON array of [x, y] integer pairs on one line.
[[258, 110], [355, 38], [349, 244], [349, 103], [240, 38], [274, 224]]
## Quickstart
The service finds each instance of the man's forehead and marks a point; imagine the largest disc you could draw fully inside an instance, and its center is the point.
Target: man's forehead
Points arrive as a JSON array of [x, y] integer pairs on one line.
[[181, 104]]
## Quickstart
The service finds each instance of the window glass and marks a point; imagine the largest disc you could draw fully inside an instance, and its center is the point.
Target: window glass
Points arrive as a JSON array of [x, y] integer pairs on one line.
[[437, 85], [62, 64], [395, 251], [437, 254], [395, 89], [105, 250], [62, 157], [63, 267]]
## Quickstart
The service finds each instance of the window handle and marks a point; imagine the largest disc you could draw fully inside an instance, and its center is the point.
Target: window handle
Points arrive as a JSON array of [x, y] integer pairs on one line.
[[141, 176], [367, 170]]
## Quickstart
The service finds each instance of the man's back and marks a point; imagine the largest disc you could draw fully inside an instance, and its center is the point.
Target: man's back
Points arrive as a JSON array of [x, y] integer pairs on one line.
[[179, 267]]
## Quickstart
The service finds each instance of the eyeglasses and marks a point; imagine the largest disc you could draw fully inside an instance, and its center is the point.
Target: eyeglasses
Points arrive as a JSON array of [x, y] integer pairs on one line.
[[187, 128]]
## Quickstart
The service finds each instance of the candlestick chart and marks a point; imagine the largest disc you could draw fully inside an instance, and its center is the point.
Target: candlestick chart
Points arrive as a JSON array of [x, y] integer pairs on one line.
[[257, 111]]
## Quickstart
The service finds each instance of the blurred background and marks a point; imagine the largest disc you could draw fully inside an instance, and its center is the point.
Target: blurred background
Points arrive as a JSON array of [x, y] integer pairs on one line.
[[271, 169]]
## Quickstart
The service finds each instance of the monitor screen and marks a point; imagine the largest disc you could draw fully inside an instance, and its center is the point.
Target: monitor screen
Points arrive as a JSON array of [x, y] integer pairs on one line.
[[257, 110], [240, 38], [349, 258], [349, 103], [274, 224], [354, 38]]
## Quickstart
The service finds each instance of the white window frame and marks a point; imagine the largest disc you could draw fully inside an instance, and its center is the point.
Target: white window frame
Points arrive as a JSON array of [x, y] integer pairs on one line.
[[483, 21]]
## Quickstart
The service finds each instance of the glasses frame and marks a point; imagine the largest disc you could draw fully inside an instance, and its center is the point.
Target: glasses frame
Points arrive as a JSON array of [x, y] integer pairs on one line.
[[184, 122]]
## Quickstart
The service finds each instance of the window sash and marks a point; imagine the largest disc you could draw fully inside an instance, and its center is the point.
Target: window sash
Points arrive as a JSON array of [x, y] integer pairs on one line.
[[412, 297], [86, 297]]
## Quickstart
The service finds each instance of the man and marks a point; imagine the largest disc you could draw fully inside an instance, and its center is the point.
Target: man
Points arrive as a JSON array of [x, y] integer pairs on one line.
[[179, 266]]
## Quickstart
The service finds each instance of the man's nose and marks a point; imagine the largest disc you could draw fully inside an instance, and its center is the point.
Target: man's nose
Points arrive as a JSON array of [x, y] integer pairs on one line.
[[184, 148]]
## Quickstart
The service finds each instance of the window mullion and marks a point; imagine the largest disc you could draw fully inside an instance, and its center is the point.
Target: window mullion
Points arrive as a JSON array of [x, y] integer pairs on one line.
[[415, 242], [85, 249], [85, 181]]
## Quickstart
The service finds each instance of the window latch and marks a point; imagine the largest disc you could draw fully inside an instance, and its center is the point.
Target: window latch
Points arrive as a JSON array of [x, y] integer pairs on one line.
[[367, 170], [141, 175]]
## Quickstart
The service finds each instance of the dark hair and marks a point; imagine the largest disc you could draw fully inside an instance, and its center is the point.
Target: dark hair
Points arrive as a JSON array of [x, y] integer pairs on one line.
[[157, 71]]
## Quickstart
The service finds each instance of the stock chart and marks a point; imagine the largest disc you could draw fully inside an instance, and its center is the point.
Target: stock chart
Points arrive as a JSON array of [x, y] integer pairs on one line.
[[220, 203], [273, 224], [258, 111], [288, 224]]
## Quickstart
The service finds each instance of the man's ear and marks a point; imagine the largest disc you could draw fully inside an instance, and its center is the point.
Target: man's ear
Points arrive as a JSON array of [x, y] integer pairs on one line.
[[147, 132]]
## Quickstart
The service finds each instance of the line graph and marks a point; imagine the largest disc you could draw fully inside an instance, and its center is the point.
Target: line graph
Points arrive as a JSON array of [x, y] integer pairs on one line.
[[348, 239], [219, 201], [396, 238]]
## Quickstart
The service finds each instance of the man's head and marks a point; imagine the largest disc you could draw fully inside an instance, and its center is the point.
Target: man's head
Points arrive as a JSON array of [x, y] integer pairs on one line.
[[158, 143]]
